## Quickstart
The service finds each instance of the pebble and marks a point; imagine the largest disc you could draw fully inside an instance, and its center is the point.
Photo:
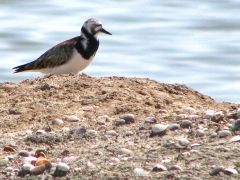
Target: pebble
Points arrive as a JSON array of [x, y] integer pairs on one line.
[[114, 160], [224, 133], [111, 133], [72, 118], [173, 127], [70, 159], [120, 122], [236, 125], [193, 117], [40, 131], [27, 167], [159, 129], [186, 124], [200, 133], [238, 113], [24, 153], [90, 165], [230, 171], [9, 169], [128, 133], [61, 169], [212, 134], [181, 116], [159, 167], [81, 130], [216, 171], [151, 120], [29, 160], [175, 167], [129, 118], [57, 122], [92, 132], [124, 151], [190, 110], [29, 131], [208, 114], [140, 172], [235, 139], [183, 142]]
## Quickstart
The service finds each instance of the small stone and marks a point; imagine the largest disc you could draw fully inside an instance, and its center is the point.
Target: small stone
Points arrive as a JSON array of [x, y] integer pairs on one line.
[[212, 134], [230, 171], [129, 118], [200, 133], [183, 142], [9, 169], [111, 133], [236, 125], [235, 139], [114, 161], [208, 114], [216, 171], [57, 122], [238, 113], [61, 169], [173, 127], [224, 133], [72, 118], [90, 165], [81, 130], [175, 167], [120, 122], [190, 110], [186, 124], [40, 131], [140, 172], [128, 133], [27, 167], [124, 151], [181, 116], [159, 167], [3, 161], [159, 129], [24, 153], [92, 132], [193, 117], [151, 120], [29, 160]]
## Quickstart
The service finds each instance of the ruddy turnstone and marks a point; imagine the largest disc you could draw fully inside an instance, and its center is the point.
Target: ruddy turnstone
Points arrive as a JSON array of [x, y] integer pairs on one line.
[[70, 56]]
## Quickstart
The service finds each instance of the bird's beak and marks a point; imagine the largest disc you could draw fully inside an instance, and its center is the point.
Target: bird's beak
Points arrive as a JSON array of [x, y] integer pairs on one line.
[[104, 31]]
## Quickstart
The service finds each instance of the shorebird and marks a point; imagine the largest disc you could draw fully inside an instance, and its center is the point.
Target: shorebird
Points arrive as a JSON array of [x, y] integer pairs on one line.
[[70, 56]]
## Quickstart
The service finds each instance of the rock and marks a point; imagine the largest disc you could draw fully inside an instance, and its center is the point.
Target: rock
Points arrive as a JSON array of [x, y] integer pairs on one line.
[[186, 124], [159, 129], [129, 118]]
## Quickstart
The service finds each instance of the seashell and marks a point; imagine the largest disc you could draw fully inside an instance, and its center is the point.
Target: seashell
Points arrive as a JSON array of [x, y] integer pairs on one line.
[[57, 122], [124, 151], [92, 132], [236, 125], [37, 170], [159, 129], [186, 124], [193, 117], [24, 153], [200, 133], [120, 122], [129, 118], [81, 130], [111, 133], [208, 114], [140, 172], [9, 149], [151, 120], [173, 127], [61, 169], [216, 171], [10, 158], [230, 171], [224, 133], [40, 131], [128, 133], [183, 142], [235, 139], [29, 160], [175, 167], [159, 167], [114, 160], [72, 118], [181, 116], [43, 162], [195, 145], [90, 165], [41, 153], [70, 159]]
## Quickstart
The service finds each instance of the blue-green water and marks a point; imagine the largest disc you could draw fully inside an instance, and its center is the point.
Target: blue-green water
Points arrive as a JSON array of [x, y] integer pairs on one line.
[[196, 43]]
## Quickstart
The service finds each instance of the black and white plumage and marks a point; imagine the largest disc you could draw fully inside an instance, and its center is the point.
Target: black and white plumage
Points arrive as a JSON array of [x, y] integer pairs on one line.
[[70, 56]]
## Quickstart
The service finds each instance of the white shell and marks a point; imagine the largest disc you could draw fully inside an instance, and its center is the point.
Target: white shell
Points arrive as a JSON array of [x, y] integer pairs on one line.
[[40, 131], [230, 171], [70, 159], [140, 172]]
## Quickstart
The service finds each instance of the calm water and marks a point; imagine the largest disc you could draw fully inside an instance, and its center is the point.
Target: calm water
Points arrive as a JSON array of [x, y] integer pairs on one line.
[[196, 43]]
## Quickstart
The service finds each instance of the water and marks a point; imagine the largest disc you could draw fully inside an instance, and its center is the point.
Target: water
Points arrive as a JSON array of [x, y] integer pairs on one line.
[[196, 43]]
